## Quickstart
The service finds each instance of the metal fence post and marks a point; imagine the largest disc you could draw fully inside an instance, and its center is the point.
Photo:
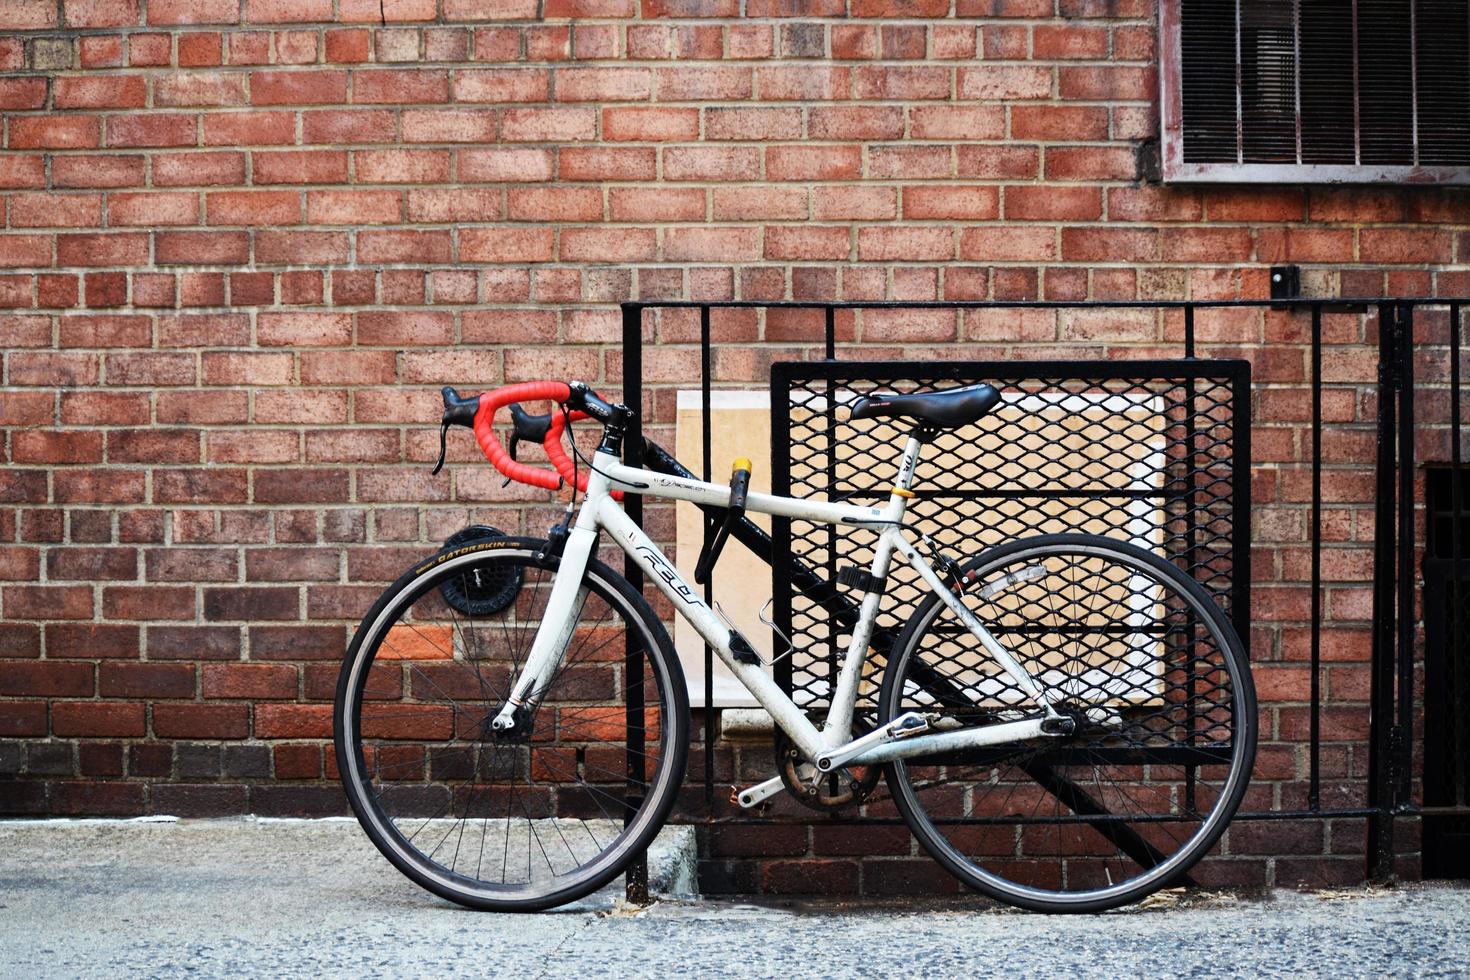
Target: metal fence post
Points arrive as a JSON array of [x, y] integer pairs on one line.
[[636, 877], [1385, 577]]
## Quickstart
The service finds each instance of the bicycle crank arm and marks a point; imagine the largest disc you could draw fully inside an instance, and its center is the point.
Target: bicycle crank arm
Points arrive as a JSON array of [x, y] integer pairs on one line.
[[760, 792]]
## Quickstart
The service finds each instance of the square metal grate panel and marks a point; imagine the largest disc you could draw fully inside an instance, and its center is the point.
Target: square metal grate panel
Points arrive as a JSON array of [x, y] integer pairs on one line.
[[1154, 452]]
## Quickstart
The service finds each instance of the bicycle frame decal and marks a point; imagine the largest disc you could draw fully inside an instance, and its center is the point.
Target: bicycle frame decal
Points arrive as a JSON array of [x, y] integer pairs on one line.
[[663, 570]]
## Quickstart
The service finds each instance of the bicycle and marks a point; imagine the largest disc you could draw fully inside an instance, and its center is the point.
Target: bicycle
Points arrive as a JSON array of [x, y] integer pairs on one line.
[[1066, 722]]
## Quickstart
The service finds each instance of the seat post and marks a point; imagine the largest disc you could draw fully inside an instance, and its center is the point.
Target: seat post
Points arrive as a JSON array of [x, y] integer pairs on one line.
[[908, 463]]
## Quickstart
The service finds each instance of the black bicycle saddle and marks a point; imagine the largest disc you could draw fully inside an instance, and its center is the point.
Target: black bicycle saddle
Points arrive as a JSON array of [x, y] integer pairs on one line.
[[938, 409]]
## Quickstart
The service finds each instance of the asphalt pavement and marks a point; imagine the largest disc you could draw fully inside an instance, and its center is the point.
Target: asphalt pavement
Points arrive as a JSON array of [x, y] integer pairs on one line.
[[283, 898]]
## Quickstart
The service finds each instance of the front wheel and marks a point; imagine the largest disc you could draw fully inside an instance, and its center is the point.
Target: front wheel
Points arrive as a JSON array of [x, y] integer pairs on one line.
[[1159, 691], [490, 820]]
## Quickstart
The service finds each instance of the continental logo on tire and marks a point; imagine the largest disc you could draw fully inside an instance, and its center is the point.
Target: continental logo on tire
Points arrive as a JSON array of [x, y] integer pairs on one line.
[[494, 544]]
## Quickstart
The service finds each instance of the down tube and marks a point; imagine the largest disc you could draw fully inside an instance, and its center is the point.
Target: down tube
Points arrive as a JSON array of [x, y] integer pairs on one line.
[[645, 553]]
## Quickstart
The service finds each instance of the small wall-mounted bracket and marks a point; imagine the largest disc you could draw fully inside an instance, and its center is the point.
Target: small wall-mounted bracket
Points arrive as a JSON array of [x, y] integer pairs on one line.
[[1286, 283]]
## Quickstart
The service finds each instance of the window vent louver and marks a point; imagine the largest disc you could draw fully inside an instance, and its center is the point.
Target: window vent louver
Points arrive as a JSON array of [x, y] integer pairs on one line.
[[1316, 90]]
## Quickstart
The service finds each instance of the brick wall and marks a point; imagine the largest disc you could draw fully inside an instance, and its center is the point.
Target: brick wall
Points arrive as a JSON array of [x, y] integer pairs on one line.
[[245, 241]]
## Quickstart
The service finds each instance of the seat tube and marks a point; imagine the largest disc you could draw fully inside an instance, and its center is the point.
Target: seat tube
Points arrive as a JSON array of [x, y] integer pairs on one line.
[[838, 728]]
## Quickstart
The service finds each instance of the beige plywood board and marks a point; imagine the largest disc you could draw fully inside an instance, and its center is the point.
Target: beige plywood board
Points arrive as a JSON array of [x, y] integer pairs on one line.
[[1078, 441], [740, 425]]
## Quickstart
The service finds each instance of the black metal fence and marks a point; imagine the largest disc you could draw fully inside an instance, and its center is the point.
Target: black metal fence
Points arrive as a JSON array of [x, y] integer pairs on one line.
[[1154, 452], [1197, 410]]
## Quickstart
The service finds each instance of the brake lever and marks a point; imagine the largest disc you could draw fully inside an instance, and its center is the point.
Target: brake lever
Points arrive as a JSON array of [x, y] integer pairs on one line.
[[443, 447]]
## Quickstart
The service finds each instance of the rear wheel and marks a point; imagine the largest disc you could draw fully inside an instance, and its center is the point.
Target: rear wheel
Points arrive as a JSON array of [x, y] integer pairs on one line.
[[1157, 684], [519, 822]]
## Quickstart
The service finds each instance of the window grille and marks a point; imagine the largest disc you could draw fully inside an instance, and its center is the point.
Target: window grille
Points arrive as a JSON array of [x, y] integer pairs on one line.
[[1316, 90]]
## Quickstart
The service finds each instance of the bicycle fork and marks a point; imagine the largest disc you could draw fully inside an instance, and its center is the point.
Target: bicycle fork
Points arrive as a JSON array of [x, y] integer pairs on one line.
[[559, 621]]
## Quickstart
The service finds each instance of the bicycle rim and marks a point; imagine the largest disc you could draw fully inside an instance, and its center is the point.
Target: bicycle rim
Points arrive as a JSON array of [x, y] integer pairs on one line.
[[520, 823], [1158, 684]]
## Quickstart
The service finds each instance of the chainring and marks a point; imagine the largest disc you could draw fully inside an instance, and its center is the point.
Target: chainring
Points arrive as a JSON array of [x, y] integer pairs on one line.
[[484, 592], [830, 792]]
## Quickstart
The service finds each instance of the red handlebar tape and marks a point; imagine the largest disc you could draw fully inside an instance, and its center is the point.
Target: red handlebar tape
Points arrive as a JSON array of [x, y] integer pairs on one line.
[[531, 391]]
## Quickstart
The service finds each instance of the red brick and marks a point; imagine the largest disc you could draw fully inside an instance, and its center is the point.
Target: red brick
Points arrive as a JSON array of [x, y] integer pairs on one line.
[[650, 125], [401, 166], [29, 170], [528, 244], [199, 89], [348, 126], [55, 210], [293, 721], [1107, 83], [807, 242], [555, 204], [47, 679], [185, 12], [249, 681], [210, 721], [53, 446], [1053, 122], [304, 329], [803, 83], [604, 245], [901, 82], [24, 251], [1050, 42], [201, 247], [608, 163], [303, 87], [1404, 246], [1008, 244], [912, 244], [910, 162], [856, 122], [1091, 163], [100, 13], [547, 125], [712, 244], [603, 85], [1092, 244], [441, 205], [285, 11], [143, 210], [1217, 245], [28, 15], [152, 129], [149, 50], [400, 85], [82, 92], [449, 125], [348, 46], [102, 249], [19, 719], [751, 202], [91, 719], [813, 162], [975, 203], [1052, 203], [353, 207], [54, 132]]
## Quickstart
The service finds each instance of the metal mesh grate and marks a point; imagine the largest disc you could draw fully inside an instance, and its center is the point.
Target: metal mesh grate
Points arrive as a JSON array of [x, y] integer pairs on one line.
[[1151, 452]]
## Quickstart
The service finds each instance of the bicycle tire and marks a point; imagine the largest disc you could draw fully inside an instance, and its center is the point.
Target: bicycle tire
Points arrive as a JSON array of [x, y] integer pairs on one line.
[[418, 761], [1084, 822]]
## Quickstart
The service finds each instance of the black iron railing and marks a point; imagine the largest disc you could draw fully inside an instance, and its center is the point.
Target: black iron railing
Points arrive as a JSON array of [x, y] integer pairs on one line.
[[1388, 792]]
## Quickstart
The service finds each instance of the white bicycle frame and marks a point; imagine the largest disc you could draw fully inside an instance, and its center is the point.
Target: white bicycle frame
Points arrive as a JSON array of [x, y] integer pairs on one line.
[[833, 743]]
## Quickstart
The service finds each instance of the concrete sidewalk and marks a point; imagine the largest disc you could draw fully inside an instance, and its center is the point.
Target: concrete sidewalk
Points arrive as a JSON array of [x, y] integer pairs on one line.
[[313, 898]]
